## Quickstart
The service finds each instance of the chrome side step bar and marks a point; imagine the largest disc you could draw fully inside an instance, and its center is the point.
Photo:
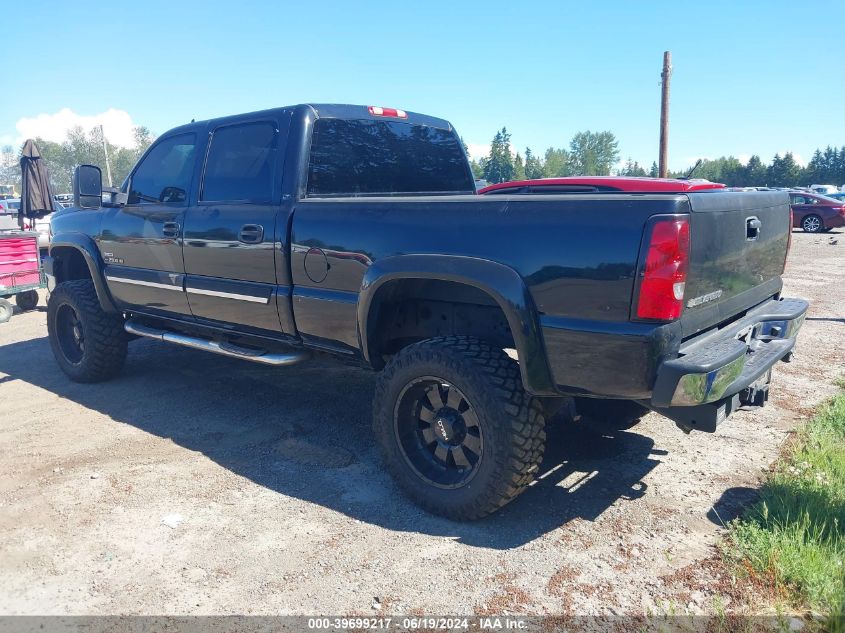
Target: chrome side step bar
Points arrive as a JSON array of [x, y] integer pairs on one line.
[[224, 349]]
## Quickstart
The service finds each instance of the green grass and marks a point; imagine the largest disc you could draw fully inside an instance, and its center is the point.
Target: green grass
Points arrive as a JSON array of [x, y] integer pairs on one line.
[[794, 536]]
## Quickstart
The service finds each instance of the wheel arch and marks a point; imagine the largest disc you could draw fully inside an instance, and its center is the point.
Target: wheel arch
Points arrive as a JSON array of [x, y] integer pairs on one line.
[[500, 283], [75, 256]]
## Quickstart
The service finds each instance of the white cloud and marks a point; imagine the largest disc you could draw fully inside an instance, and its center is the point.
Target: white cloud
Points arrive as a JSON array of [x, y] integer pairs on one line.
[[482, 150], [117, 125], [478, 150]]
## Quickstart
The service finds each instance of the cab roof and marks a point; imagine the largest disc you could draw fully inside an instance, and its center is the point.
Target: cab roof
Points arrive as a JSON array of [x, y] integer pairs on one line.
[[322, 111], [609, 183]]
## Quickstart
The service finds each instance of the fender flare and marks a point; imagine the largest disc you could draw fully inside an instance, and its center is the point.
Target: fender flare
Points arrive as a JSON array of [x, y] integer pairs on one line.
[[86, 246], [500, 282]]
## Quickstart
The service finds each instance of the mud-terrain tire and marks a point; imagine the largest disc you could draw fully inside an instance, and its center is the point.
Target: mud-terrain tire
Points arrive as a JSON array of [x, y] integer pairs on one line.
[[609, 415], [27, 300], [88, 343], [457, 430]]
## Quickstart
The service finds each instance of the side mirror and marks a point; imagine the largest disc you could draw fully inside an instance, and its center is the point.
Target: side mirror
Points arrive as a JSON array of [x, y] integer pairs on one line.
[[87, 187]]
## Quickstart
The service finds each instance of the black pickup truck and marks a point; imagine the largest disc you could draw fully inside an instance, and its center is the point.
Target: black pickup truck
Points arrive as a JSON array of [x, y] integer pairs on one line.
[[357, 231]]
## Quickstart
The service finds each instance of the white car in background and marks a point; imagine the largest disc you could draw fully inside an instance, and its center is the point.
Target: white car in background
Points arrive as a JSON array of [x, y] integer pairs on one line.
[[824, 189], [41, 225]]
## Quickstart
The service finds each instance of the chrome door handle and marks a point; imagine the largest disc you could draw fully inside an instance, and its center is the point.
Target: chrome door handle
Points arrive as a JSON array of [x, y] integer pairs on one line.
[[170, 229], [251, 234]]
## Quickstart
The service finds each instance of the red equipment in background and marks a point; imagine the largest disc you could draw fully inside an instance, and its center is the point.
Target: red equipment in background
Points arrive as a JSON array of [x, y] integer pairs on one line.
[[20, 271]]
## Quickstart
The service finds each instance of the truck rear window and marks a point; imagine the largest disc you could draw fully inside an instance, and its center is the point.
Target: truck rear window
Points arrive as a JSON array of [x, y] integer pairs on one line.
[[367, 158]]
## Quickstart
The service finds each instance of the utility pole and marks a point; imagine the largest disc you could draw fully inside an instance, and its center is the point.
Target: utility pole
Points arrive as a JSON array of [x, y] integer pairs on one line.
[[106, 152], [665, 76]]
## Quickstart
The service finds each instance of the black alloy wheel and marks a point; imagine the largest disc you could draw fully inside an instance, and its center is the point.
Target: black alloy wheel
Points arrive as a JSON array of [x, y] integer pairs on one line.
[[439, 432], [70, 335]]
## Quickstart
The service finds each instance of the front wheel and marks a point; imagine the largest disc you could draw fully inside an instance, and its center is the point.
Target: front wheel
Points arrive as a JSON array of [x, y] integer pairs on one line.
[[89, 344], [458, 431], [812, 224]]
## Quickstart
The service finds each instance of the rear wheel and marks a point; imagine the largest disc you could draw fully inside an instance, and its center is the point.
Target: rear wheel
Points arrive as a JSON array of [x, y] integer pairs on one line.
[[812, 224], [27, 300], [458, 431], [6, 310], [89, 344]]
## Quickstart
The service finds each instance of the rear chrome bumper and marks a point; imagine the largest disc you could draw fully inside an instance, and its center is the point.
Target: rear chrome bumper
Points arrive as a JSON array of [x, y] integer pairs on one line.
[[719, 364]]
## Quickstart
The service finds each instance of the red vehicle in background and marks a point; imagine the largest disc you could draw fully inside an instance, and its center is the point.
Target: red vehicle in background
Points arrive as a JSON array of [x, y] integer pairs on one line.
[[815, 213], [598, 184]]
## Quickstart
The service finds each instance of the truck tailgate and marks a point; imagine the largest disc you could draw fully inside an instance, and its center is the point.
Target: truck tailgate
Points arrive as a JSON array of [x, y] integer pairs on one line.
[[738, 246]]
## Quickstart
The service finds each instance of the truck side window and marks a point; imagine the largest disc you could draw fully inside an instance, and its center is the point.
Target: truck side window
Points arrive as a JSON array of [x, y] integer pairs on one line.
[[241, 164], [165, 173], [364, 157]]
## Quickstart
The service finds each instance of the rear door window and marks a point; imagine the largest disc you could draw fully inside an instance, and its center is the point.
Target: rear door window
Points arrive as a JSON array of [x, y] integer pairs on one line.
[[241, 164], [164, 174], [365, 157]]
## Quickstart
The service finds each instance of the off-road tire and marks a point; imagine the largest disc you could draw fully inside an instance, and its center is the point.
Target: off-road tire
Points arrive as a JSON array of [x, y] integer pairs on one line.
[[814, 222], [511, 420], [609, 415], [27, 300], [6, 310], [105, 341]]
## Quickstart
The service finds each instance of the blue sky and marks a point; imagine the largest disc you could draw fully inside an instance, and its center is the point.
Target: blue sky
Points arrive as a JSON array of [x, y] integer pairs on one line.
[[749, 77]]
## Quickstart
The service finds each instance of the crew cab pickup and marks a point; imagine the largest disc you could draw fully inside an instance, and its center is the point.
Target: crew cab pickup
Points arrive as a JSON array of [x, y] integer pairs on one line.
[[356, 231]]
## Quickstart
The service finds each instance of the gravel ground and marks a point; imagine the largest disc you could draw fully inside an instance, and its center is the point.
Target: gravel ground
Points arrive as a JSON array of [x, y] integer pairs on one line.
[[285, 507]]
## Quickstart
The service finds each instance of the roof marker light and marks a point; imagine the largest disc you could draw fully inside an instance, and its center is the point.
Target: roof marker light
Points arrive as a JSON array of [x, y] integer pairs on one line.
[[391, 112]]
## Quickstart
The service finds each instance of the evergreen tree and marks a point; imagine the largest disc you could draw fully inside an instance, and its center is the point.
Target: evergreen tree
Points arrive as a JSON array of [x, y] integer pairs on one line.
[[518, 168], [784, 172], [755, 172], [632, 168], [654, 171], [815, 170], [499, 165], [533, 165]]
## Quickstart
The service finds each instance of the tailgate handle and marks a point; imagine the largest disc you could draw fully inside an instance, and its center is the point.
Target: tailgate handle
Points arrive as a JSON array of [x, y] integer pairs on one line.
[[752, 228]]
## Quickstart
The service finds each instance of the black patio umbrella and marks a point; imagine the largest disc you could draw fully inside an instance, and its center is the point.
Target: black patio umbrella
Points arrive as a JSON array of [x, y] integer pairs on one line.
[[36, 193]]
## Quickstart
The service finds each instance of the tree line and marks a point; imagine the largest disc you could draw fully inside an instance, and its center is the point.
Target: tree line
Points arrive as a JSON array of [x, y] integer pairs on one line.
[[79, 147], [826, 167], [597, 154], [589, 153]]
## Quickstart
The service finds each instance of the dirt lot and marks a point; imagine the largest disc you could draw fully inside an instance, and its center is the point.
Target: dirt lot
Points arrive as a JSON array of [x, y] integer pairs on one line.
[[286, 508]]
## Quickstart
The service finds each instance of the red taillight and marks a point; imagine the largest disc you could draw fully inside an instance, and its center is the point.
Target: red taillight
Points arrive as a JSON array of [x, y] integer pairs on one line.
[[393, 112], [665, 274], [842, 211]]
